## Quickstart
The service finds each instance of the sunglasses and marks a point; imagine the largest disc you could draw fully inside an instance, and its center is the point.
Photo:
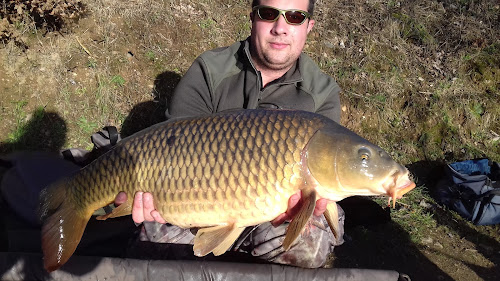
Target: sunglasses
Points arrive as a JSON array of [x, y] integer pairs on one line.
[[271, 14]]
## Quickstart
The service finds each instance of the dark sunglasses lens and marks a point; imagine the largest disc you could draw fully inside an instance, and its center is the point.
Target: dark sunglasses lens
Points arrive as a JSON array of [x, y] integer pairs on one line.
[[295, 17], [268, 13]]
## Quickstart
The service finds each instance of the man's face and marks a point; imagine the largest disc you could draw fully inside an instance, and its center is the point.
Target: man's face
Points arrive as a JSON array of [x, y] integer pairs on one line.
[[277, 45]]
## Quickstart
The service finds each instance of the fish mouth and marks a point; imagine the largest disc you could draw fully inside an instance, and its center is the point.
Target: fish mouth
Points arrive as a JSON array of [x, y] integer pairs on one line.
[[398, 192], [400, 186]]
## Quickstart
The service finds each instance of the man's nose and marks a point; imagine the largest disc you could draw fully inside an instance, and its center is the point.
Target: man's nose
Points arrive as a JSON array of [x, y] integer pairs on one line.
[[280, 25]]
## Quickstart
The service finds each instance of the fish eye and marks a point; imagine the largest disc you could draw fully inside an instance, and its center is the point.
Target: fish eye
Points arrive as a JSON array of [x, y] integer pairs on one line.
[[364, 154]]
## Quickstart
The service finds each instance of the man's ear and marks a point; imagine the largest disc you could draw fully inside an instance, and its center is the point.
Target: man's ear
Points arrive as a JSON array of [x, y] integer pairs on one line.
[[310, 25]]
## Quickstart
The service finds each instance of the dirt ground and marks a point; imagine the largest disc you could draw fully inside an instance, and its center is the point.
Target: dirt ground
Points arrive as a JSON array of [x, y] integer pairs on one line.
[[87, 64]]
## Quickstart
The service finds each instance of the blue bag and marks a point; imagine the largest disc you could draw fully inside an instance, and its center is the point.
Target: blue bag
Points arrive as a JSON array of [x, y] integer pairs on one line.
[[473, 190]]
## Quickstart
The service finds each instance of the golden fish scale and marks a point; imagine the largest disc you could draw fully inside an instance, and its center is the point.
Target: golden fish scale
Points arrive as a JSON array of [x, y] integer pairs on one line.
[[235, 167]]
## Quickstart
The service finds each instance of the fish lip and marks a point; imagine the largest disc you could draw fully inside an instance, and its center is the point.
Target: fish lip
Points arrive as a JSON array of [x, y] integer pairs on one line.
[[398, 192], [400, 180], [398, 184], [405, 188]]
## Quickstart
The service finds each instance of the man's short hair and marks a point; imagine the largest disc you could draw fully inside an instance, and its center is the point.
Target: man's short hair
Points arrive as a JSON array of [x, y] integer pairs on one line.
[[310, 7]]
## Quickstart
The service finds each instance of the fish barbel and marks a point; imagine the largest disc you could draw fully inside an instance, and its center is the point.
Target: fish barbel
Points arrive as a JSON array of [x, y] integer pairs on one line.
[[221, 173]]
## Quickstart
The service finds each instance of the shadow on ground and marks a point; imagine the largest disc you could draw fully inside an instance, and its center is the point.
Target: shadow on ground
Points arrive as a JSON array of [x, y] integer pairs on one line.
[[373, 241], [45, 131], [149, 113], [386, 246]]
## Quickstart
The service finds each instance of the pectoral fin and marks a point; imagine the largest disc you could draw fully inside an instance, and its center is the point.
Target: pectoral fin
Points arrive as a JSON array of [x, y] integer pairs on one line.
[[332, 217], [122, 210], [299, 221], [216, 239]]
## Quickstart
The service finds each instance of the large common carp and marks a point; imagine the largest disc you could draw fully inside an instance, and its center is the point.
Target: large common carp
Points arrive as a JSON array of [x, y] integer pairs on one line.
[[221, 173]]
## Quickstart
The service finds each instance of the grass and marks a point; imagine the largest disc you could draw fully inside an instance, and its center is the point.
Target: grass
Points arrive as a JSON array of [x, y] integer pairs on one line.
[[382, 75], [394, 76], [92, 63], [150, 55], [412, 214], [20, 116], [117, 81], [86, 126], [413, 30]]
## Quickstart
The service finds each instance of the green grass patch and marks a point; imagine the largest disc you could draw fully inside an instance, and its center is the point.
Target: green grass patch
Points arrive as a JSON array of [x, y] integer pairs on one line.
[[87, 126], [92, 63], [207, 24], [150, 55], [476, 109], [117, 81], [413, 30], [20, 117], [484, 65]]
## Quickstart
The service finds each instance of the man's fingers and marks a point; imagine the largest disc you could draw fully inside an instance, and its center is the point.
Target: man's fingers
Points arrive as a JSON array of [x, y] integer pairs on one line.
[[138, 208], [143, 209], [294, 199], [290, 213], [150, 212], [293, 205], [120, 198], [280, 219], [157, 217], [147, 199], [292, 202], [320, 206]]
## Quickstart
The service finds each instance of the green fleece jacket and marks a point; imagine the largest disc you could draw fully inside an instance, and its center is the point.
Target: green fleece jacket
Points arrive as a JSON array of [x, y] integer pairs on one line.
[[225, 78]]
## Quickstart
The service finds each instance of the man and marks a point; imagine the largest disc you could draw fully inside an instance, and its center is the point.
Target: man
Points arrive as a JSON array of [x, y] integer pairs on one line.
[[268, 70]]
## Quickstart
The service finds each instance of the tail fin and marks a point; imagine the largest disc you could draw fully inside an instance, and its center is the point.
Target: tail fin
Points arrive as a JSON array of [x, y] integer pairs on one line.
[[62, 225]]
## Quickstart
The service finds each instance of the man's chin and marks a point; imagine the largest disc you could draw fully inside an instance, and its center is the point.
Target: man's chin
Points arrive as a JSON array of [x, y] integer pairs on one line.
[[279, 64]]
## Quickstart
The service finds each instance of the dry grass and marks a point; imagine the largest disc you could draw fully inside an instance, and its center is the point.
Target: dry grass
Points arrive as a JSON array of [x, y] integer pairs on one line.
[[420, 78], [131, 42]]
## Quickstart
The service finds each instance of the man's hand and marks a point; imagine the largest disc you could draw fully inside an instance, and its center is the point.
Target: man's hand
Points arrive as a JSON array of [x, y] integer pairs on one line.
[[293, 208], [143, 208]]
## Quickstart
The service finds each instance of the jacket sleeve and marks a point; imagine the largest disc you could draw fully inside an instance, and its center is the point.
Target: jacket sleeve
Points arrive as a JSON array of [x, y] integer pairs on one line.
[[192, 96], [331, 105]]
